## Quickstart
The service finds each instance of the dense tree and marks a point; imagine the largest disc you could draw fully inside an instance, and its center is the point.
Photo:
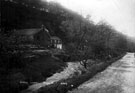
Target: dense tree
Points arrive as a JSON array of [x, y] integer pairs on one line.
[[76, 32]]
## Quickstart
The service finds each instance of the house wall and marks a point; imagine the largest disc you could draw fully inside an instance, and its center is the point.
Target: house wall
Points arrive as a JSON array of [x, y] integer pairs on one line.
[[23, 39], [59, 46], [42, 38], [56, 43]]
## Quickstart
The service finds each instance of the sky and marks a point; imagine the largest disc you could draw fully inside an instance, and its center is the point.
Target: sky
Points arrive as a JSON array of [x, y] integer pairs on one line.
[[118, 13]]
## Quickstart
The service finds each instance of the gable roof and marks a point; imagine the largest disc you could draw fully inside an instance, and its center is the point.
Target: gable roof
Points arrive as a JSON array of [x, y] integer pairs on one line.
[[55, 37], [31, 31]]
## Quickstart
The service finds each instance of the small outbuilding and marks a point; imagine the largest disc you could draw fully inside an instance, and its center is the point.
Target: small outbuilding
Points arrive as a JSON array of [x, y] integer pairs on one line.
[[56, 42]]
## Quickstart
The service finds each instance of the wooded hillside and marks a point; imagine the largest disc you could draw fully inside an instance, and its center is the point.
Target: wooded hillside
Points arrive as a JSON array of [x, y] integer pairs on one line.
[[82, 39], [71, 27]]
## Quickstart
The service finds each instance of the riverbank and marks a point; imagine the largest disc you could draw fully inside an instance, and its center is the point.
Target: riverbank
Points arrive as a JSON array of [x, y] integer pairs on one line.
[[70, 83], [20, 72], [68, 72]]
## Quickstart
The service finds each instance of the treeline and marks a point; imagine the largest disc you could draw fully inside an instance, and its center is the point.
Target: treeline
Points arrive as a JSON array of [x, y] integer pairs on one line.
[[82, 39], [79, 34], [131, 44]]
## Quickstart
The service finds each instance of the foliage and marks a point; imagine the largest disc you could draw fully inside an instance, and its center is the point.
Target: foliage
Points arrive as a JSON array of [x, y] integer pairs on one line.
[[82, 39], [80, 35]]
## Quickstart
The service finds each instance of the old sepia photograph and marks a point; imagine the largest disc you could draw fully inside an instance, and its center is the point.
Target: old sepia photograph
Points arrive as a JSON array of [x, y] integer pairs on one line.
[[67, 46]]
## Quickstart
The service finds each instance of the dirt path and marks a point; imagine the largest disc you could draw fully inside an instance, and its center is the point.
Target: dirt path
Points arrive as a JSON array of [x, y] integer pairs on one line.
[[117, 78]]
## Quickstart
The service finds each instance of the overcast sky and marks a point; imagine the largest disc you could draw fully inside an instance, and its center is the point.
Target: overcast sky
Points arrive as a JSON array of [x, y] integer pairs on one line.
[[118, 13]]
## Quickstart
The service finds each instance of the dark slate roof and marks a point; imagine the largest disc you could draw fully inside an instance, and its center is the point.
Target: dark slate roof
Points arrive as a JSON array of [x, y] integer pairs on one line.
[[55, 37], [29, 31]]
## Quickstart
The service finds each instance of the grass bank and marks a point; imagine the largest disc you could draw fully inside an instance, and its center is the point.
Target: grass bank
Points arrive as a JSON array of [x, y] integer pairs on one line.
[[19, 77], [68, 84]]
